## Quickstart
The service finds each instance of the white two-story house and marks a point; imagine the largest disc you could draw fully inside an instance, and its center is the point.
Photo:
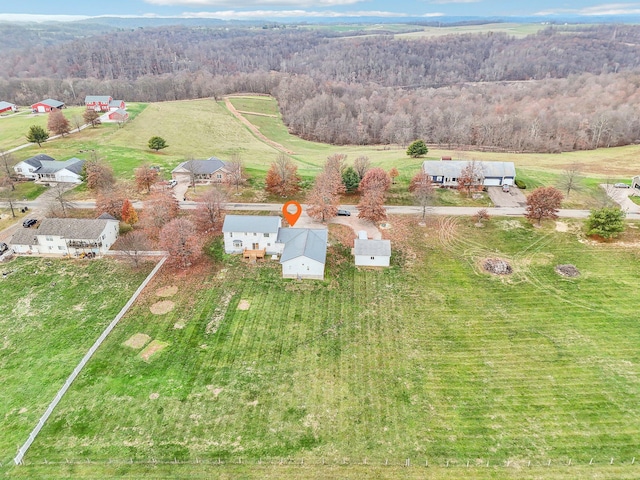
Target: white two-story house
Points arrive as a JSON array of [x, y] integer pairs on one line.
[[251, 232]]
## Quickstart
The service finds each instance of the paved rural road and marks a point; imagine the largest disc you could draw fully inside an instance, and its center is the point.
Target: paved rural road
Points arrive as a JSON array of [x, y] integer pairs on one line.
[[391, 209]]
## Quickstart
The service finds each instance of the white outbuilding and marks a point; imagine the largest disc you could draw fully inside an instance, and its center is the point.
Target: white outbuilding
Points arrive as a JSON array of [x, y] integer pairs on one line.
[[304, 252], [372, 253]]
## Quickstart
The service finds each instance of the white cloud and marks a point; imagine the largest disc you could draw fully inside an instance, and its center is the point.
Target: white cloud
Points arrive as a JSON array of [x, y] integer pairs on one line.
[[253, 3], [257, 14], [28, 17], [603, 9]]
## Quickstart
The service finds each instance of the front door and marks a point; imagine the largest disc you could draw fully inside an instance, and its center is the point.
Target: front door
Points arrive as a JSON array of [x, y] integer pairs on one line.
[[256, 246]]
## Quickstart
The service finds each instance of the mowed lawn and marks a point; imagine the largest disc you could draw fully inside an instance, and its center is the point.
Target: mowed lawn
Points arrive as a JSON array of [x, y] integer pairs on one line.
[[51, 312], [432, 359]]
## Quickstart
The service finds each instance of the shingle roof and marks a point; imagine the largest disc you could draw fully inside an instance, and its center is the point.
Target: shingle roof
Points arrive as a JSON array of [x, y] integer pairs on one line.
[[452, 169], [73, 165], [307, 242], [120, 111], [24, 236], [372, 247], [72, 228], [202, 167], [251, 223], [4, 105], [36, 161], [97, 99], [116, 103], [106, 216]]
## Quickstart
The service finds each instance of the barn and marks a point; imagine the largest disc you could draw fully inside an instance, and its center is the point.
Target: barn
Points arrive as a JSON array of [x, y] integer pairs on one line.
[[45, 106], [118, 115], [8, 107], [99, 103]]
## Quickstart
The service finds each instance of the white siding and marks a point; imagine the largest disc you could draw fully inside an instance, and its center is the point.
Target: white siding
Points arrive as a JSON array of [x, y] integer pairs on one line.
[[236, 242], [65, 175], [303, 267], [372, 261]]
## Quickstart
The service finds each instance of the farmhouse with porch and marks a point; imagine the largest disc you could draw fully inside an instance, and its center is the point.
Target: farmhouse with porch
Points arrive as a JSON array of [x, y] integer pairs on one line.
[[46, 106], [445, 173], [66, 236], [27, 168], [103, 103], [210, 170]]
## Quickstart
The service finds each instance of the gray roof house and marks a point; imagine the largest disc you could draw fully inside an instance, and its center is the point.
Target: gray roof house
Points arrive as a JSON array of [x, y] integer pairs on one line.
[[210, 169], [492, 174], [27, 168], [372, 253], [67, 171], [304, 252], [62, 236]]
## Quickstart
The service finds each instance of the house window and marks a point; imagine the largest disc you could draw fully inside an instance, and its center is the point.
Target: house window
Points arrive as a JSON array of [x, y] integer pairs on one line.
[[50, 247], [49, 239], [454, 179], [256, 246], [266, 235], [19, 169], [255, 234], [230, 234], [237, 243], [218, 176], [268, 244], [373, 258], [60, 247]]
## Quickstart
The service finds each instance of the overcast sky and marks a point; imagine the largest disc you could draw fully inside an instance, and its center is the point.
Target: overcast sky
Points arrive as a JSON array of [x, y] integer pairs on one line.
[[261, 9]]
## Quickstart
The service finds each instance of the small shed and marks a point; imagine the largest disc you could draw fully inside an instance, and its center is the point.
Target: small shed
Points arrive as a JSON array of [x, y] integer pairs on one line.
[[635, 182], [372, 253]]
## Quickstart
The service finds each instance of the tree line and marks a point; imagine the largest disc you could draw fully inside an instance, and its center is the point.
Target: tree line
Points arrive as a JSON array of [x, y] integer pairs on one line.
[[557, 90]]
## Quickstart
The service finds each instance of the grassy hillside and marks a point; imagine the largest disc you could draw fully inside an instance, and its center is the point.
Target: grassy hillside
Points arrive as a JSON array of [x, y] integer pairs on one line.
[[430, 360], [51, 312]]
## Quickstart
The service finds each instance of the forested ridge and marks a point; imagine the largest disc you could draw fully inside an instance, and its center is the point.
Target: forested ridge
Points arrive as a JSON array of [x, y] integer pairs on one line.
[[561, 89]]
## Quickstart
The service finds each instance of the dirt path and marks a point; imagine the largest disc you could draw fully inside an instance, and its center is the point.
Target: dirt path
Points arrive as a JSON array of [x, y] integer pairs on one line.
[[254, 129]]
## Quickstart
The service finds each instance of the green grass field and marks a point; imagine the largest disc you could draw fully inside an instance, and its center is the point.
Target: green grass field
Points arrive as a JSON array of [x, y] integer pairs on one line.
[[432, 359], [204, 128], [51, 312]]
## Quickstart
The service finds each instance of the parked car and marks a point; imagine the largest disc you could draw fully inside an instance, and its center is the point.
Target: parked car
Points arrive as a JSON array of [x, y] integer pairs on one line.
[[172, 183], [344, 213], [622, 185], [3, 247], [29, 222]]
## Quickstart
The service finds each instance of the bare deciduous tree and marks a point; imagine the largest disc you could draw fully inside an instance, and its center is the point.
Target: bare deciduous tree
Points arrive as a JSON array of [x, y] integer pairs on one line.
[[209, 213], [423, 190], [570, 179], [471, 177], [59, 205], [361, 164], [58, 123], [235, 169], [132, 245]]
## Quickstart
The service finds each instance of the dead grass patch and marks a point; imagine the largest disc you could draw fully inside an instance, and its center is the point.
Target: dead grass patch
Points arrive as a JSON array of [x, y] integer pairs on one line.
[[244, 305], [160, 308], [154, 396], [180, 324], [497, 266], [215, 390], [219, 313], [169, 291], [153, 348], [137, 341]]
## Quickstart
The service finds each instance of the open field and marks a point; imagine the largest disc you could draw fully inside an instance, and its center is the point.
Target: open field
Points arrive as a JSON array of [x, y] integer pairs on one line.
[[51, 312], [432, 359], [202, 128]]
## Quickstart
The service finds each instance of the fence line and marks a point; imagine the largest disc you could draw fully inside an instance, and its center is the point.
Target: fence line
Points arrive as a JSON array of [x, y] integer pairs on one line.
[[366, 462], [76, 371]]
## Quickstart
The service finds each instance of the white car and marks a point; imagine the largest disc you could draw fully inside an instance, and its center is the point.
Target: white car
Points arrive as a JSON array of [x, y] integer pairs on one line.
[[172, 183], [622, 185]]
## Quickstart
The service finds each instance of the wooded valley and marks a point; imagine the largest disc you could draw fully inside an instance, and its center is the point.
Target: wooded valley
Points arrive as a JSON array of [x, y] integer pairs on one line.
[[564, 88]]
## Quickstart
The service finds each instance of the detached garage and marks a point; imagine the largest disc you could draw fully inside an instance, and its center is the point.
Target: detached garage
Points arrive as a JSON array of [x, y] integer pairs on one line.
[[372, 253]]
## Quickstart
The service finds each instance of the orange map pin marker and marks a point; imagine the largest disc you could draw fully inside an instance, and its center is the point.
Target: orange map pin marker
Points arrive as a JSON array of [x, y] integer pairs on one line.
[[292, 218]]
